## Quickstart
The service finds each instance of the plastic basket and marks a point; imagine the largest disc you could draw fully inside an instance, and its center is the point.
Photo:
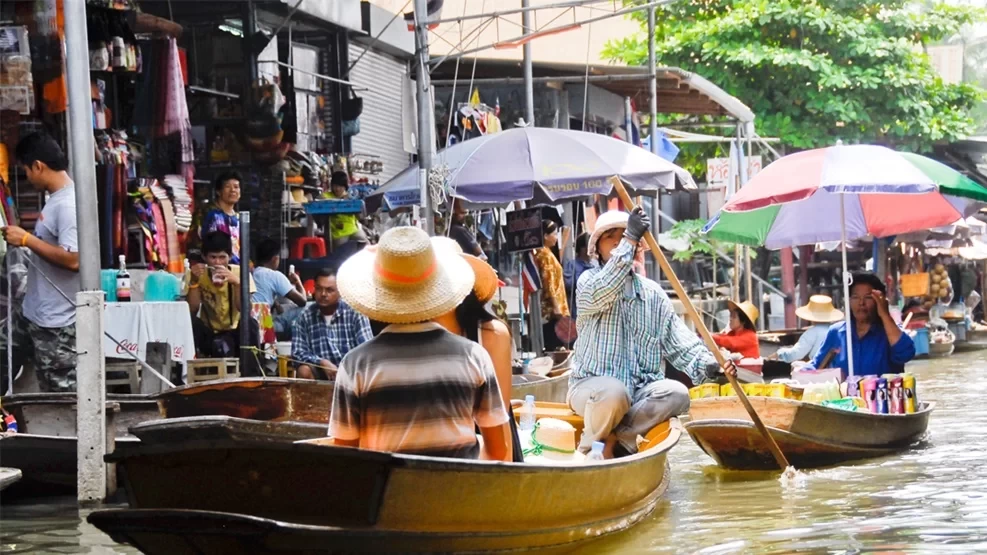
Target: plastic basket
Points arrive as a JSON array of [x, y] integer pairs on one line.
[[915, 285]]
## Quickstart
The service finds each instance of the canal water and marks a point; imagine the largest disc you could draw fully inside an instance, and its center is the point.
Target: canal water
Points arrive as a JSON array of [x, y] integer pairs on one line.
[[932, 498]]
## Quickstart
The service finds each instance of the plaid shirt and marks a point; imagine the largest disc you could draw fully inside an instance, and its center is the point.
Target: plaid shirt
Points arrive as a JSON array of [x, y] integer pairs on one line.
[[626, 325], [312, 339]]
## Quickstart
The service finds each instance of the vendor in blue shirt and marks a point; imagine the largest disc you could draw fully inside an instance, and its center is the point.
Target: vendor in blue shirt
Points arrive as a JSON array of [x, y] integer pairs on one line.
[[879, 345]]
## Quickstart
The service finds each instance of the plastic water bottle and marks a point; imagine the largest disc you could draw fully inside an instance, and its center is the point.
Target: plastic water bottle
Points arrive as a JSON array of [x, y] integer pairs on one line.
[[596, 453], [528, 414]]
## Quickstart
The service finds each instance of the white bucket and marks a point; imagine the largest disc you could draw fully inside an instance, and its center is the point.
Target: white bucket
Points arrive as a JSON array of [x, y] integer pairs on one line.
[[283, 348]]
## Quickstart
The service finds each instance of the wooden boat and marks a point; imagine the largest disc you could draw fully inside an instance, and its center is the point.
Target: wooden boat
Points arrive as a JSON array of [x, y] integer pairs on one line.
[[221, 427], [8, 476], [45, 447], [969, 346], [269, 399], [810, 435], [770, 342], [352, 500], [551, 389]]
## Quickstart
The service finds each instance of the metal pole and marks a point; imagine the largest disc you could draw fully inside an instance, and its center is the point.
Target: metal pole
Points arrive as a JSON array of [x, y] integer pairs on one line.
[[529, 88], [653, 116], [91, 381], [245, 316], [846, 288], [652, 84], [424, 98]]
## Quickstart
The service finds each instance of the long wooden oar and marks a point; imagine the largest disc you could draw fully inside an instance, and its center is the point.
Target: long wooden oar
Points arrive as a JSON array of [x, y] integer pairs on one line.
[[701, 326]]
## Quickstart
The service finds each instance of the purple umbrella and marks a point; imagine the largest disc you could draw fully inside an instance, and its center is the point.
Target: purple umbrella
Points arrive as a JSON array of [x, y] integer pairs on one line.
[[541, 164]]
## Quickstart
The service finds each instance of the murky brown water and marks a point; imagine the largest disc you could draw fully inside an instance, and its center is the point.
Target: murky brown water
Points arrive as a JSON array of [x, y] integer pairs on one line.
[[932, 499]]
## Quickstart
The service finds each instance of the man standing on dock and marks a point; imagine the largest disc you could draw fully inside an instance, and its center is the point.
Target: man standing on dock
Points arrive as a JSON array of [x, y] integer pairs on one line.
[[46, 329], [626, 326]]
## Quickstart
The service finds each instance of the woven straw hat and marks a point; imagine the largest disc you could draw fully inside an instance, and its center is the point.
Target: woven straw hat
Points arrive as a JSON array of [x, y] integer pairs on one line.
[[820, 309], [556, 443], [486, 283], [611, 219], [403, 279], [746, 308]]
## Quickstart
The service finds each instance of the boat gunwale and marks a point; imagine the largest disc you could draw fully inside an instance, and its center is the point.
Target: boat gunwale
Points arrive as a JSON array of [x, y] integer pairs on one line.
[[231, 383], [927, 407]]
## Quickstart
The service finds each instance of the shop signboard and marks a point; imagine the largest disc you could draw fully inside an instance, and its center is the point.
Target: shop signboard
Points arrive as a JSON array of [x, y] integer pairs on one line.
[[524, 230]]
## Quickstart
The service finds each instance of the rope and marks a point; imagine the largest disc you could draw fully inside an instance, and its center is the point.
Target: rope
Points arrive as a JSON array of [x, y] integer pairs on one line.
[[537, 448]]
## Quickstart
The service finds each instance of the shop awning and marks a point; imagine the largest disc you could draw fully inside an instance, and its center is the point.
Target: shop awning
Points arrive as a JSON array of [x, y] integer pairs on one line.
[[679, 91]]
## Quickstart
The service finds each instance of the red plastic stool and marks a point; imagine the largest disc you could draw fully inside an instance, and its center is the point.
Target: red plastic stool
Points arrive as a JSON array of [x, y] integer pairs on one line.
[[309, 285], [318, 245]]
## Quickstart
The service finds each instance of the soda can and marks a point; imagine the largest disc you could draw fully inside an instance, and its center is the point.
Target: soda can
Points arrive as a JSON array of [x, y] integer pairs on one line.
[[896, 395], [10, 423], [882, 396], [853, 386], [910, 394], [868, 390]]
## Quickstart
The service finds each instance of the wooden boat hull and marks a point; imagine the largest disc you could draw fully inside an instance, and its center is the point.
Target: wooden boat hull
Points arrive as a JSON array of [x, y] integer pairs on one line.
[[214, 428], [549, 390], [969, 346], [369, 501], [45, 448], [8, 476], [810, 435], [940, 350], [269, 399], [179, 532]]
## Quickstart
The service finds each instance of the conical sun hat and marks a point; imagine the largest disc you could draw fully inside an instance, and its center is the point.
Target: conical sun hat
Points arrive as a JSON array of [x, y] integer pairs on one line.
[[404, 279], [820, 309], [611, 219], [486, 282], [746, 308]]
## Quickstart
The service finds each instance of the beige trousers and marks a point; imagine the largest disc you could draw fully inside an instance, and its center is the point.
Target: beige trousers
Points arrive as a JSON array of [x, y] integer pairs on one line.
[[606, 406]]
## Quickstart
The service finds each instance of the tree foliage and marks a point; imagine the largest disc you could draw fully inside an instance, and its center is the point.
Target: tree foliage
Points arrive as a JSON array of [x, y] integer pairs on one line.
[[819, 70]]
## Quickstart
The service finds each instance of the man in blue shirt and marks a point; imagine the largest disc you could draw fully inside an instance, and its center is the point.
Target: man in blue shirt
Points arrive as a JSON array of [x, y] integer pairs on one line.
[[879, 345]]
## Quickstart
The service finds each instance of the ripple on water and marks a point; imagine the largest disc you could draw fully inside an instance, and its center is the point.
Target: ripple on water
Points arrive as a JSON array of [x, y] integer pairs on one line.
[[932, 498]]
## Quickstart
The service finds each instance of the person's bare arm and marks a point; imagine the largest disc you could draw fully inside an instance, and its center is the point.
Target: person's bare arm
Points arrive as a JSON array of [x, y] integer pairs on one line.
[[53, 254], [497, 342], [297, 298], [496, 442], [194, 297], [883, 311]]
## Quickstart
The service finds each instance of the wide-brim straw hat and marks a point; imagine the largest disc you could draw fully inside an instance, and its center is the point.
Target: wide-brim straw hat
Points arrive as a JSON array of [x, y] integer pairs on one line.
[[404, 279], [746, 308], [612, 219], [557, 439], [486, 281], [820, 309]]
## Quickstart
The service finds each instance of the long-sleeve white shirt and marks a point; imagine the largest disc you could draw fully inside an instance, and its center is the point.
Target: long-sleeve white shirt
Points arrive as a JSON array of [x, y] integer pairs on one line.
[[808, 345]]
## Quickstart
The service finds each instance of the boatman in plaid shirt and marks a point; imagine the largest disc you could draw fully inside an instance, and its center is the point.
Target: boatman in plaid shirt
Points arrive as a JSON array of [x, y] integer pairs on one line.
[[325, 331], [627, 327]]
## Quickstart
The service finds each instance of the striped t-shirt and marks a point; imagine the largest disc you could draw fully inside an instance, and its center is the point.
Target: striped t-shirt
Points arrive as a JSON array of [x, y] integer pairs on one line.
[[416, 389]]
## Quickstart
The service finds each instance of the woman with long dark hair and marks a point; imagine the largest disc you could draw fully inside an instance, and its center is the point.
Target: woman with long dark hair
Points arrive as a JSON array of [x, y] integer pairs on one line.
[[554, 304], [472, 320]]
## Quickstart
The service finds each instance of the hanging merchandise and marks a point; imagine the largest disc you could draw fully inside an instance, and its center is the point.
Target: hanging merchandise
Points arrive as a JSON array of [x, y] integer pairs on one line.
[[264, 135], [351, 109]]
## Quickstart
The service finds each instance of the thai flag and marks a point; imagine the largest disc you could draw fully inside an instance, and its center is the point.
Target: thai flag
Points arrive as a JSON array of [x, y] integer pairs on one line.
[[530, 276]]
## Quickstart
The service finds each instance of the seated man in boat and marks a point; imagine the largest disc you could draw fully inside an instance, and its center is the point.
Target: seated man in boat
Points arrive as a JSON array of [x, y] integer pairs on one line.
[[821, 313], [415, 388], [627, 325], [879, 345], [326, 330], [741, 338]]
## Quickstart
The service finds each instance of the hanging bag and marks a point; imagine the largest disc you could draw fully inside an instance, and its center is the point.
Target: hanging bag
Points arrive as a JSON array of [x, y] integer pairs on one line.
[[352, 107]]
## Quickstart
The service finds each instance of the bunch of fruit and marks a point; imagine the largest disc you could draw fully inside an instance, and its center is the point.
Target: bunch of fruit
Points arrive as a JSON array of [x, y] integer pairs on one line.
[[940, 288]]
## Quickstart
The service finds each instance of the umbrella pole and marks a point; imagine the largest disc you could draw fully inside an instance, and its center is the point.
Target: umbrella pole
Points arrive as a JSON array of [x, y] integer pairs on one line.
[[701, 327], [846, 286]]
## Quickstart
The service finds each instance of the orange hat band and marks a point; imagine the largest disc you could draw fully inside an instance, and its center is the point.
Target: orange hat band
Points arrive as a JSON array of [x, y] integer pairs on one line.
[[401, 278]]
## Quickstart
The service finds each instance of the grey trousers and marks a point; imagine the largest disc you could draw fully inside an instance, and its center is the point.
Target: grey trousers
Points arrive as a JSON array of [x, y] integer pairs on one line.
[[606, 406]]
